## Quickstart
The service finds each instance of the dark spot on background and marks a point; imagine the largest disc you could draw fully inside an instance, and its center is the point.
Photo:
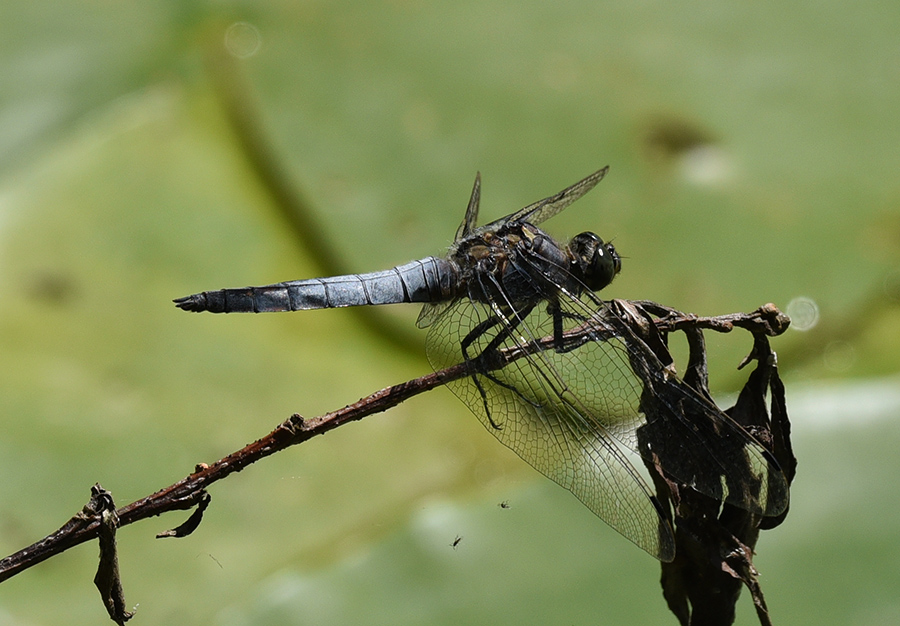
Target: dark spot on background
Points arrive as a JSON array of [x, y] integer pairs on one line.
[[51, 287], [668, 138]]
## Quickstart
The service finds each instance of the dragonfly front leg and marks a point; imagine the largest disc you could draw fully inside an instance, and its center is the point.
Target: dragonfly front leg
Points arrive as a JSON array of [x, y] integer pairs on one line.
[[558, 315]]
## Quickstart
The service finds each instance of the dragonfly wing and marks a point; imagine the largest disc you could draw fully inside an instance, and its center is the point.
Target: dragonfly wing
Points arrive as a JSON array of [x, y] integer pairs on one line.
[[527, 407], [471, 218], [431, 311], [537, 212], [671, 424]]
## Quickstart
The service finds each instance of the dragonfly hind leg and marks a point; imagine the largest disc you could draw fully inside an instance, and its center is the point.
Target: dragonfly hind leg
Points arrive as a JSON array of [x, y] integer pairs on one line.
[[481, 364]]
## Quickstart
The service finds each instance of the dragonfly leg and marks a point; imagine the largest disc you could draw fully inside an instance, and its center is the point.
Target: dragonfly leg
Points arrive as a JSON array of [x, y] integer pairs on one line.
[[558, 315], [473, 335], [481, 361]]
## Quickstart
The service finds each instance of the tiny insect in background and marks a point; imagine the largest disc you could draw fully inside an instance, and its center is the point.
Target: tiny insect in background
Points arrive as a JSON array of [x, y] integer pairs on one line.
[[455, 543]]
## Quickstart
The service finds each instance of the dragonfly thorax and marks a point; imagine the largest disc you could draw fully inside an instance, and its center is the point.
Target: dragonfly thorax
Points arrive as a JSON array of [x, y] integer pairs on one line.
[[596, 263]]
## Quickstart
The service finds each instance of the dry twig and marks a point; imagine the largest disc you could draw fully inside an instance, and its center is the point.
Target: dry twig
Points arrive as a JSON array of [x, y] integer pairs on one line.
[[715, 541]]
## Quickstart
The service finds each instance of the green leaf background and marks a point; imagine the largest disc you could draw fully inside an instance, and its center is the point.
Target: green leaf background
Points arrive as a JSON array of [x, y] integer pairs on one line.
[[754, 154]]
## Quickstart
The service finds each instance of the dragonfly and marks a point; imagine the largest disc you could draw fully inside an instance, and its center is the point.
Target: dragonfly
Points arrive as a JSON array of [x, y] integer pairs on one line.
[[584, 399]]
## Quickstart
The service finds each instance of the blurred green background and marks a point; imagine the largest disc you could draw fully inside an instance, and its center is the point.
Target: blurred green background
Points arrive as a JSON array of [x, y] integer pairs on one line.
[[151, 150]]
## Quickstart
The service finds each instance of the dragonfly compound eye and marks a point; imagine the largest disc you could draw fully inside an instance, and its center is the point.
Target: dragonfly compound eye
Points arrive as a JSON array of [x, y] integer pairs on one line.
[[597, 262]]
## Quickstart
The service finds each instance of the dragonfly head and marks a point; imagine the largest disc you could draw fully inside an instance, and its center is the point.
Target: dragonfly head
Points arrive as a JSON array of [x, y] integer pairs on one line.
[[595, 262]]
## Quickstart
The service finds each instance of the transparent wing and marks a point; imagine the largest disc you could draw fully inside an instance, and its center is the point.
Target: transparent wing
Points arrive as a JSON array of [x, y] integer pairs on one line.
[[687, 434], [431, 311], [471, 217], [574, 410], [537, 415], [537, 212]]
